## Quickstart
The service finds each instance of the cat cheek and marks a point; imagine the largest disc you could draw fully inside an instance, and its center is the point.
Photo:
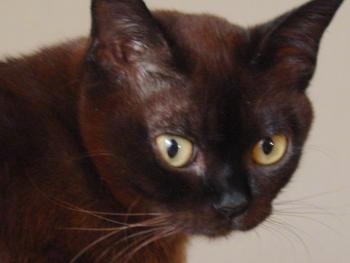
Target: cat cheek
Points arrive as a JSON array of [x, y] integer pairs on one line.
[[268, 182], [258, 212]]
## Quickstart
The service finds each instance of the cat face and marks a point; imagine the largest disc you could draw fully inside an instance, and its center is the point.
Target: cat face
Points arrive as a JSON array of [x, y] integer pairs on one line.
[[197, 118]]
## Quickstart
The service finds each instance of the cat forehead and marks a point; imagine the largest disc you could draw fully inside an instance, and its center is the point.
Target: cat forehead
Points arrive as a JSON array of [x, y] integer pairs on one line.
[[203, 42], [216, 56], [218, 79]]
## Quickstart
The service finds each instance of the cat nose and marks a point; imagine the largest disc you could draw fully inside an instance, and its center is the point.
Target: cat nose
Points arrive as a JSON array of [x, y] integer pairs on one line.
[[232, 205]]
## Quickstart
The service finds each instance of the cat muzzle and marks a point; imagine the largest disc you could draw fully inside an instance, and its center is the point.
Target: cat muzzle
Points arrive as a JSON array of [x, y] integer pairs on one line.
[[232, 205]]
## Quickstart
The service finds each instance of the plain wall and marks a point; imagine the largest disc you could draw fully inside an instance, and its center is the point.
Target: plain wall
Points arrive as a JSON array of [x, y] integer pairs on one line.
[[315, 227]]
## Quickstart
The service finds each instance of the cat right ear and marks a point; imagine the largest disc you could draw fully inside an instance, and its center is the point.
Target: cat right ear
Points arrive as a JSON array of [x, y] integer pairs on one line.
[[289, 44], [125, 37]]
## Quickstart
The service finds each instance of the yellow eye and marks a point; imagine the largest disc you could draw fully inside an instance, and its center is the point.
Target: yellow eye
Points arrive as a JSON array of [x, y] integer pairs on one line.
[[175, 150], [270, 150]]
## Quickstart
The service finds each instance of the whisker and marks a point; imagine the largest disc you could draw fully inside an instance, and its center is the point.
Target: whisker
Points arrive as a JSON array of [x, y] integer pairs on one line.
[[157, 222], [97, 214], [88, 212], [288, 226], [283, 236], [294, 231], [94, 243], [301, 216], [68, 206], [146, 223], [310, 197], [277, 227], [119, 214], [166, 233], [270, 226], [302, 210], [325, 152], [127, 237], [132, 245], [100, 215], [92, 229], [257, 234]]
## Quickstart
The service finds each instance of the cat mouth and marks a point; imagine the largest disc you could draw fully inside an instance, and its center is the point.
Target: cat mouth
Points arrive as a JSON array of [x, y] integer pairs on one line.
[[213, 224], [252, 217]]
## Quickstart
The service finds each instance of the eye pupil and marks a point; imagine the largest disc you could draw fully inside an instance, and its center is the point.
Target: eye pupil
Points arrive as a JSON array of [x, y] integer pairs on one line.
[[270, 150], [173, 148], [268, 145], [175, 151]]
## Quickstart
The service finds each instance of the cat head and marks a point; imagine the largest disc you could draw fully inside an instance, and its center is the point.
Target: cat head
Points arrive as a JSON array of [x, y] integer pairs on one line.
[[192, 116]]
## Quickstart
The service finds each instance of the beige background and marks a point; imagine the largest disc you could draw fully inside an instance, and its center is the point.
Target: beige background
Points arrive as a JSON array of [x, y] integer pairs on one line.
[[317, 227]]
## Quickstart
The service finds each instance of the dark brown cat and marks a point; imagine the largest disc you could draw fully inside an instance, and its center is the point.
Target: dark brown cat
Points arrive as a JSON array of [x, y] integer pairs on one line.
[[158, 126]]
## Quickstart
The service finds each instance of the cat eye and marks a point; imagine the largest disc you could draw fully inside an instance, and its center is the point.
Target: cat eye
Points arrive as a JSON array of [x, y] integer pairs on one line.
[[270, 150], [175, 150]]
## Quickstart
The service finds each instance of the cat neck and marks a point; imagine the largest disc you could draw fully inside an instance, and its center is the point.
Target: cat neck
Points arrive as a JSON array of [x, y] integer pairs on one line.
[[48, 80]]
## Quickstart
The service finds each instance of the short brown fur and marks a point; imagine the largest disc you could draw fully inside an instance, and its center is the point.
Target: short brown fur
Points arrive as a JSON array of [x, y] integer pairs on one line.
[[77, 160]]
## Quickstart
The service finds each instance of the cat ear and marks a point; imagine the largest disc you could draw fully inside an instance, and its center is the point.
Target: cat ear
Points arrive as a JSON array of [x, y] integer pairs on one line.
[[125, 37], [289, 44]]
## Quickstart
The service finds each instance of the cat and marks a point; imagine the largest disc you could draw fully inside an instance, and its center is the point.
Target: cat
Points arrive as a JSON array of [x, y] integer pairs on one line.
[[158, 126]]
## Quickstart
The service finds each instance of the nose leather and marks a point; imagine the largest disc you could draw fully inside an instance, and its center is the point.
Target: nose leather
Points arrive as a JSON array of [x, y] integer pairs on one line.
[[232, 204]]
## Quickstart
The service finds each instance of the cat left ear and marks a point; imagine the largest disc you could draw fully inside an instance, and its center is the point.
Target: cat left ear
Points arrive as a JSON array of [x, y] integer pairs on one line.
[[290, 43], [125, 37]]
